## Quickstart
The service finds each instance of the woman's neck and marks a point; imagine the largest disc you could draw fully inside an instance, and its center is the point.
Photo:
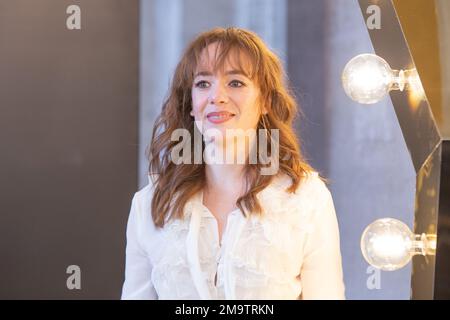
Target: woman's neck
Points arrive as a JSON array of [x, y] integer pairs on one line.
[[225, 173], [225, 177]]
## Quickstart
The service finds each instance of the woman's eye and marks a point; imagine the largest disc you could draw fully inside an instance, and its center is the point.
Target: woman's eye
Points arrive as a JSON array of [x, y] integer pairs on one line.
[[236, 83], [202, 84]]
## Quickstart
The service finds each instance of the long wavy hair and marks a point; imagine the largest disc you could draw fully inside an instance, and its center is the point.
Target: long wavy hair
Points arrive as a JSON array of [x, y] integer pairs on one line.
[[175, 184]]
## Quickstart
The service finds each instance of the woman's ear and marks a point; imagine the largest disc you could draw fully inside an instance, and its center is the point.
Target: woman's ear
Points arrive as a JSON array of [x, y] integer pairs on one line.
[[191, 113]]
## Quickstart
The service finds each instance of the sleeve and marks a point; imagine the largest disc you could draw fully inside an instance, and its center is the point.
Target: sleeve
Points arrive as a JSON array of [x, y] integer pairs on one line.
[[137, 284], [321, 274]]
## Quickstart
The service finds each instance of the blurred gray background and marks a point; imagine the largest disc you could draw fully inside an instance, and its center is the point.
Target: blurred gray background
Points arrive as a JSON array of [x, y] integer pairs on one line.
[[359, 148], [76, 114], [68, 138]]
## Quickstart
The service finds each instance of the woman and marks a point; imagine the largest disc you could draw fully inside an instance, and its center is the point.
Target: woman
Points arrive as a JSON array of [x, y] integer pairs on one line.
[[209, 228]]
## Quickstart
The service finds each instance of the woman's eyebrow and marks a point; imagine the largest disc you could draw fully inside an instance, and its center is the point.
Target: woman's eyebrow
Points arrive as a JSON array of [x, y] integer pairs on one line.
[[238, 72], [229, 72], [203, 74]]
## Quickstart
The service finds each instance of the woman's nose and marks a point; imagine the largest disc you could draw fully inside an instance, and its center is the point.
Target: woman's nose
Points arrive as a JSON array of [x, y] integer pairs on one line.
[[218, 95]]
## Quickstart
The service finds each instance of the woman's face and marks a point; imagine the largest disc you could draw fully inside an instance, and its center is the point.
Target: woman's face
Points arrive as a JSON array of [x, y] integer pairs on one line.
[[226, 99]]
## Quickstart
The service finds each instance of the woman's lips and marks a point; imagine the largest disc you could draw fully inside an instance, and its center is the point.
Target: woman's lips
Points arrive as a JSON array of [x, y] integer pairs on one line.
[[219, 117]]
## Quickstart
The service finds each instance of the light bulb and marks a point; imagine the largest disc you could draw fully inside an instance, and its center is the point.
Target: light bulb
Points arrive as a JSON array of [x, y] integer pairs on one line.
[[367, 78], [389, 244]]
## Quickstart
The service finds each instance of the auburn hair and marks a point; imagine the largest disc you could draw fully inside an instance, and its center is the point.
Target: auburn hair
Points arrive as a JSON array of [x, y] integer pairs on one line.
[[174, 184]]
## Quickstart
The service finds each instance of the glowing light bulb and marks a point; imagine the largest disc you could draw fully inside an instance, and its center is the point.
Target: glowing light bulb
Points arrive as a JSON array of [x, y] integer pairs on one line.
[[389, 244], [367, 78]]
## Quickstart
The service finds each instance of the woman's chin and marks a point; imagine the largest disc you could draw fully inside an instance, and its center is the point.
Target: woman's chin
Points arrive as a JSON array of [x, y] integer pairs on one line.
[[219, 134], [219, 131]]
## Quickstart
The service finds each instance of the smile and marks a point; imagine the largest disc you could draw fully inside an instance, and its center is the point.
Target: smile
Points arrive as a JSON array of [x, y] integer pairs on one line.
[[219, 117]]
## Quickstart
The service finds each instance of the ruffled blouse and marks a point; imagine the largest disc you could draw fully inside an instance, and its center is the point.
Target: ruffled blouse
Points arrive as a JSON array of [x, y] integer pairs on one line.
[[291, 252]]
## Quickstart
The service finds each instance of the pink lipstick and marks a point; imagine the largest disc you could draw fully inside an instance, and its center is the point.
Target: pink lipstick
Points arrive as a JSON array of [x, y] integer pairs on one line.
[[219, 117]]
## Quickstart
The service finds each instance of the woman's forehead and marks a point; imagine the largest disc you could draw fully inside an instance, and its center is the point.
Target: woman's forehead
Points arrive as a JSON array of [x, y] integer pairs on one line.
[[213, 59]]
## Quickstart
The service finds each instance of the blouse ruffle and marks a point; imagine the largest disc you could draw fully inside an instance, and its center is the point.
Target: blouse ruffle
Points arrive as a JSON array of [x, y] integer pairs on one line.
[[264, 263]]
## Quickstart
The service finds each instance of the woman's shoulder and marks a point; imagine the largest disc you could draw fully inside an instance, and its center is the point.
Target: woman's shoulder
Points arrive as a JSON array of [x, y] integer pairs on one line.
[[306, 199], [141, 203], [145, 194], [311, 185]]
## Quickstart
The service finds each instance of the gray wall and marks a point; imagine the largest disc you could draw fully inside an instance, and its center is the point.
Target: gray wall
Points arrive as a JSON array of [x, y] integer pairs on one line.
[[360, 149], [68, 137]]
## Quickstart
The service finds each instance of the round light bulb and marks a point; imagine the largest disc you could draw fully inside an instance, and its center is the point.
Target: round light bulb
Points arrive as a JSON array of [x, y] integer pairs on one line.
[[387, 244], [367, 78]]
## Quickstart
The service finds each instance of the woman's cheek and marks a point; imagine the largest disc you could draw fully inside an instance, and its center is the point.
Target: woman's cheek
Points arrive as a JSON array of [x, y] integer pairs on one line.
[[195, 108], [198, 104]]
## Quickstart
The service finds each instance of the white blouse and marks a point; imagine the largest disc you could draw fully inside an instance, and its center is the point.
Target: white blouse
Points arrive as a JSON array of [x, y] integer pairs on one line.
[[292, 252]]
